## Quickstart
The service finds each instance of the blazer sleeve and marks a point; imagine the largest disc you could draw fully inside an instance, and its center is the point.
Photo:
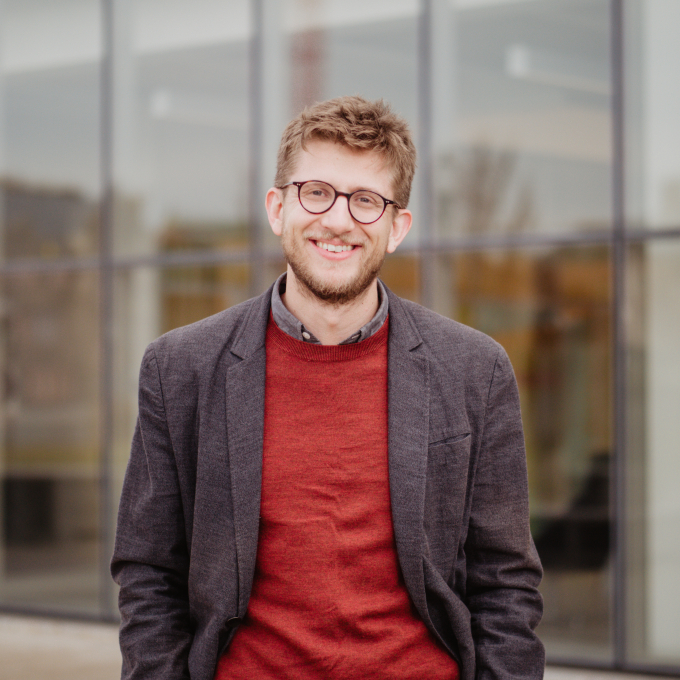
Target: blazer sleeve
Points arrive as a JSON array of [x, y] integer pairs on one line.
[[503, 568], [150, 561]]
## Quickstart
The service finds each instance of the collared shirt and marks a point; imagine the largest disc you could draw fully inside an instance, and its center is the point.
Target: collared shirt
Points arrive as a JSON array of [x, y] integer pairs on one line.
[[290, 325]]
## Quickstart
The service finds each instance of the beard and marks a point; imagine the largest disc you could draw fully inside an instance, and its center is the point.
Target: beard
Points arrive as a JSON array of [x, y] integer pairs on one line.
[[328, 291]]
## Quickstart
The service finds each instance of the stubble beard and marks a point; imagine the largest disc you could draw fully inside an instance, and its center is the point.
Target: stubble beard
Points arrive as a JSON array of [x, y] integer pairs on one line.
[[333, 294]]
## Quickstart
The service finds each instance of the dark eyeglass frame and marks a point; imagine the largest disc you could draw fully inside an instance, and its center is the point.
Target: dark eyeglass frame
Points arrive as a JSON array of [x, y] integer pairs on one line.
[[386, 201]]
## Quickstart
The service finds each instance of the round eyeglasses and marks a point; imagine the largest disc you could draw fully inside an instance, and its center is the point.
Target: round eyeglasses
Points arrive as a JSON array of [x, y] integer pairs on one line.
[[318, 197]]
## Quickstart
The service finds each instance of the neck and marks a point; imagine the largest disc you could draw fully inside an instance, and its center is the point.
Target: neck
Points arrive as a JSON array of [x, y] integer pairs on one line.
[[330, 323]]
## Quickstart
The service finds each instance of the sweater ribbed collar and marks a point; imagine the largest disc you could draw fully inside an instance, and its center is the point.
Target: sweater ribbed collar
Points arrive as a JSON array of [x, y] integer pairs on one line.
[[307, 351]]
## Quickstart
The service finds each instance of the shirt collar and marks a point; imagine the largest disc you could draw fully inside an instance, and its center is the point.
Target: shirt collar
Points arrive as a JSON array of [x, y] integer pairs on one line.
[[289, 324]]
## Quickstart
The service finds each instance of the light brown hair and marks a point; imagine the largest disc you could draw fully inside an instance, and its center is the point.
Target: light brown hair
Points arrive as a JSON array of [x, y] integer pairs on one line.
[[359, 124]]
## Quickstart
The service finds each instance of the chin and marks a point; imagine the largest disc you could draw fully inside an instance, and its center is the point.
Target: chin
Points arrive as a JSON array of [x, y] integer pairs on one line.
[[334, 292]]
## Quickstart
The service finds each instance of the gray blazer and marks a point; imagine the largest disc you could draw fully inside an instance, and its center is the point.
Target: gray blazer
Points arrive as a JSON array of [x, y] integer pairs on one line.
[[188, 522]]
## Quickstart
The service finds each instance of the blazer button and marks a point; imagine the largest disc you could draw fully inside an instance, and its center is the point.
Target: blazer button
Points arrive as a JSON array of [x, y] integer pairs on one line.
[[231, 623]]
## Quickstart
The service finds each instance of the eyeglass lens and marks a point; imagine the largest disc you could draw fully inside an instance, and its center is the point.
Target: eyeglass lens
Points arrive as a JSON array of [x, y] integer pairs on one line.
[[364, 206]]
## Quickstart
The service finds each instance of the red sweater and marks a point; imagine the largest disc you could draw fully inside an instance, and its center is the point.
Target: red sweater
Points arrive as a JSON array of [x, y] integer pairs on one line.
[[328, 599]]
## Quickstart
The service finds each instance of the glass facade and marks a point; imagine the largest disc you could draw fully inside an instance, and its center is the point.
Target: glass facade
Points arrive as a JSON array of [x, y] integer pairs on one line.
[[137, 141]]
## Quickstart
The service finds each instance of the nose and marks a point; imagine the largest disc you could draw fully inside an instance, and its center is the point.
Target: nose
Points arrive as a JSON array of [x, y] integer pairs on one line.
[[339, 218]]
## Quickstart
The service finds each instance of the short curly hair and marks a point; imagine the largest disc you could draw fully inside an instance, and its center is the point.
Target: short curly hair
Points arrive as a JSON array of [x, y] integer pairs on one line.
[[359, 124]]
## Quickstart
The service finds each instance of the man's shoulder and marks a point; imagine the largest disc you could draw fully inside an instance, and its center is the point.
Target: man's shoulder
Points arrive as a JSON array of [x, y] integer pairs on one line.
[[242, 325], [442, 335]]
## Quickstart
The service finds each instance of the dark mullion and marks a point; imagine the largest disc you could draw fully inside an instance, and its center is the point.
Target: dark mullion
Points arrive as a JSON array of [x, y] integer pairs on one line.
[[449, 245], [618, 477], [255, 150], [106, 274], [426, 206]]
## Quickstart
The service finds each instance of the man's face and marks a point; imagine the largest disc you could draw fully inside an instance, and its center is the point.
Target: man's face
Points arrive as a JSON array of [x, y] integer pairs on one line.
[[336, 277]]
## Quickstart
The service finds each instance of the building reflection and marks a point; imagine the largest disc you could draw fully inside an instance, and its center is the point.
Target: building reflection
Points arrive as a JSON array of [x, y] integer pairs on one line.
[[49, 343], [514, 239]]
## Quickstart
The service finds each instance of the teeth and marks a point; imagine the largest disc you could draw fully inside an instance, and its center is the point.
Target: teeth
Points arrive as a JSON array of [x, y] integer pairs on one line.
[[333, 249]]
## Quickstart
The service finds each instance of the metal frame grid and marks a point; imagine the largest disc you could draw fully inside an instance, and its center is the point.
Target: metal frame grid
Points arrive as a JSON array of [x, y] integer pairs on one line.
[[618, 238]]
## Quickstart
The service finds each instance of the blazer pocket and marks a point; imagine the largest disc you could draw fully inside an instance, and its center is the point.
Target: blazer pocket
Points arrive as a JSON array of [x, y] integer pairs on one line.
[[450, 454], [451, 439]]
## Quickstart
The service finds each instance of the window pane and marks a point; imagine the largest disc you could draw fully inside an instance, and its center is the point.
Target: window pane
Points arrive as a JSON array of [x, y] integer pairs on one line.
[[181, 122], [522, 141], [652, 112], [49, 441], [652, 438], [49, 128], [550, 309]]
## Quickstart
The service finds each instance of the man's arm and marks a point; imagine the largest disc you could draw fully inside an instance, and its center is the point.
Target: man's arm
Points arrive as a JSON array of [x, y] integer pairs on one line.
[[150, 560], [502, 564]]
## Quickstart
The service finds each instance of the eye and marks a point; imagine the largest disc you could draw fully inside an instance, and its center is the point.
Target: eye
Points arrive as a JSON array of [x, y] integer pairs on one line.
[[368, 199], [317, 191]]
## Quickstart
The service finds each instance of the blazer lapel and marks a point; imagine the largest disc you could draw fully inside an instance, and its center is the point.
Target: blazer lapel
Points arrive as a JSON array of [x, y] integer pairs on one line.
[[245, 387], [408, 424]]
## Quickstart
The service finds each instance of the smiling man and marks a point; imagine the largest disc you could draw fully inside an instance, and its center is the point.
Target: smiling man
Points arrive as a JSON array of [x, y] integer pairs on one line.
[[328, 481]]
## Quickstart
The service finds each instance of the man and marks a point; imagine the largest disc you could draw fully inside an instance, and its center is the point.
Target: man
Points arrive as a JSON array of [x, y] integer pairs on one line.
[[328, 481]]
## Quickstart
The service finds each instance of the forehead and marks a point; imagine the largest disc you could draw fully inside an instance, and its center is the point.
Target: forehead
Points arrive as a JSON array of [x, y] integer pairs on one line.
[[345, 168]]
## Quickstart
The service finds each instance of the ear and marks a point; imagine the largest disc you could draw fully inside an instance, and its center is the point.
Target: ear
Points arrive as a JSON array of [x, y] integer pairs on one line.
[[274, 205], [400, 226]]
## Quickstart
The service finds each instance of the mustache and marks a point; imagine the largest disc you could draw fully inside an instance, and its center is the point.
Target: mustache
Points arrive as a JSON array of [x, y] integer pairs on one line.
[[331, 237]]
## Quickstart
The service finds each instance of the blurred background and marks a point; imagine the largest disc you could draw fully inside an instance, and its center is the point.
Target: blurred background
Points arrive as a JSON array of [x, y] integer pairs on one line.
[[137, 140]]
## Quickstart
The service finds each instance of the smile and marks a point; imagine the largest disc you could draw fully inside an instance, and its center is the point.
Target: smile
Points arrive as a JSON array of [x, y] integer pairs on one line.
[[331, 248]]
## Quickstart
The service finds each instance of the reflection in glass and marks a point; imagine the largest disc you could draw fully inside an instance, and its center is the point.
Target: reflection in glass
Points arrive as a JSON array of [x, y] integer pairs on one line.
[[652, 112], [181, 124], [49, 341], [653, 433], [49, 129], [527, 147], [47, 222], [189, 294], [550, 309]]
